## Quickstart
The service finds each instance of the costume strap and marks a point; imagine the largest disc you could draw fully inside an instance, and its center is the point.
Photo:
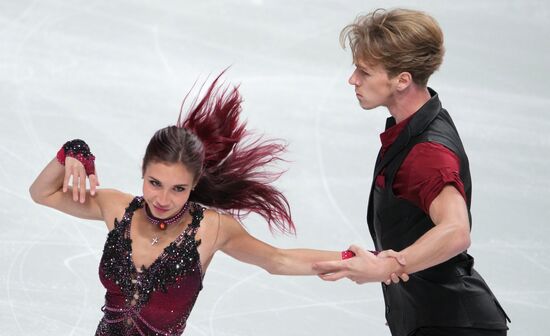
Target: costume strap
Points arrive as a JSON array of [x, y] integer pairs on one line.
[[136, 203]]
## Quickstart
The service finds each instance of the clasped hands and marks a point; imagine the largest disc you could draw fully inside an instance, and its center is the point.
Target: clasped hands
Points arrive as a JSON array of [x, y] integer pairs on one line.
[[365, 267]]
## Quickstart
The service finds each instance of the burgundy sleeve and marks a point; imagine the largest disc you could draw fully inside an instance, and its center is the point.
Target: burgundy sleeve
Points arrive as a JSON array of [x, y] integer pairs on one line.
[[425, 171]]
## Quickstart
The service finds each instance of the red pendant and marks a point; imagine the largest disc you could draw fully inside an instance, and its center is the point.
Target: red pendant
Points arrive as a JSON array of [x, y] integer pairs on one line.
[[162, 226]]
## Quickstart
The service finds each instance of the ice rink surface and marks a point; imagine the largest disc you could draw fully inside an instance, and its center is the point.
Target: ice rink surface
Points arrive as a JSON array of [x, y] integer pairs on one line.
[[113, 72]]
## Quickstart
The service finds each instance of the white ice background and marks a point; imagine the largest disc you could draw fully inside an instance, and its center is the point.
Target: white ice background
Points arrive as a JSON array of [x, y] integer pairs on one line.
[[113, 72]]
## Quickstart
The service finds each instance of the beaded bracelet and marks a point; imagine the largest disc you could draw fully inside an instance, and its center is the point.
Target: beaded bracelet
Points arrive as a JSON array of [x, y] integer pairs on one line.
[[349, 254], [79, 150]]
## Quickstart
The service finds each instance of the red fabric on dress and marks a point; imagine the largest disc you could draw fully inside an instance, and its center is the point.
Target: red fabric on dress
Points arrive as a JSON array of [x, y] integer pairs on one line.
[[156, 300], [162, 309]]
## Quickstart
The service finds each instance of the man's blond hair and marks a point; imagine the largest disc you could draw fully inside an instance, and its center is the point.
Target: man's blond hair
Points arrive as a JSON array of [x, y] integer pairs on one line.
[[400, 40]]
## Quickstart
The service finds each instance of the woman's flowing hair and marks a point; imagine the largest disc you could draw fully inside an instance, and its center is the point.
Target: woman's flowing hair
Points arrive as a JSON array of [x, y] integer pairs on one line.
[[235, 174]]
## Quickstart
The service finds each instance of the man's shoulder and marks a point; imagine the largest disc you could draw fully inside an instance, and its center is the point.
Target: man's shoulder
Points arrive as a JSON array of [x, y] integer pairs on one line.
[[433, 154]]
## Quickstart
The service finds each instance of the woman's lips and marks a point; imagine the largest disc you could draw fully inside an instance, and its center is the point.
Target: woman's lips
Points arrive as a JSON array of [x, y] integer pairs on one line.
[[159, 209]]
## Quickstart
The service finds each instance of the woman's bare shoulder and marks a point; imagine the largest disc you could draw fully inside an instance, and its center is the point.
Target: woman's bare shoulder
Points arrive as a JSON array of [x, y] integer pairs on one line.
[[219, 226], [113, 203], [113, 198], [215, 217]]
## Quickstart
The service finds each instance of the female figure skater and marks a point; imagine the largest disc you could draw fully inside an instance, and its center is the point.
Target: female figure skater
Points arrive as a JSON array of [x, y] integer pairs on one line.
[[160, 244]]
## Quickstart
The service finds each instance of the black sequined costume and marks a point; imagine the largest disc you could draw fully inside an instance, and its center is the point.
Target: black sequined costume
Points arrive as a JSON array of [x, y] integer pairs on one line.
[[150, 301]]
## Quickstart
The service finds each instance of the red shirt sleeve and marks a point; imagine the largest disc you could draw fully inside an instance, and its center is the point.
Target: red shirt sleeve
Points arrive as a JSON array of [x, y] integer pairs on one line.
[[425, 171]]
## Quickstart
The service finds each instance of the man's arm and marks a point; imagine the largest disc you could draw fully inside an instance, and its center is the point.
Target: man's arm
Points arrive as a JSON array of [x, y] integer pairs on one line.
[[449, 237]]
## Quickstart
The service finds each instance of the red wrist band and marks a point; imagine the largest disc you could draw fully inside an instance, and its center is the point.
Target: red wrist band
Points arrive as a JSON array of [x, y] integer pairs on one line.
[[347, 254], [79, 150]]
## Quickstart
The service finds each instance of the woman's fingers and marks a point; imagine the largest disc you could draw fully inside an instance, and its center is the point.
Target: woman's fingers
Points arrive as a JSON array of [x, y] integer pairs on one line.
[[82, 185], [66, 179], [75, 174], [93, 183], [332, 276]]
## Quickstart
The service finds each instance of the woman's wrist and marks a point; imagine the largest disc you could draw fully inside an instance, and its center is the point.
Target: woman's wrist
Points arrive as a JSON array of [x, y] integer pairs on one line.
[[79, 150], [347, 254]]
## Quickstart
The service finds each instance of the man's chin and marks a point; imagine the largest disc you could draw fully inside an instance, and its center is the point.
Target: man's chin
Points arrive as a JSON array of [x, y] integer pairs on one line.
[[366, 106]]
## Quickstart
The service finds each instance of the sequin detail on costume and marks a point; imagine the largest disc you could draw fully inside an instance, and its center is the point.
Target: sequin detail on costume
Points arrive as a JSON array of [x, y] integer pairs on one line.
[[150, 301]]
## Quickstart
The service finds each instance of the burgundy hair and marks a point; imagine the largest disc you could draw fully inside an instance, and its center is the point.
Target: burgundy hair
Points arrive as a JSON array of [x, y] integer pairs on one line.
[[228, 161]]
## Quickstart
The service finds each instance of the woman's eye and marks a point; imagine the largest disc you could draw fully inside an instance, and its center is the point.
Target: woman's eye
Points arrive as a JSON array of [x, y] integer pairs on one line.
[[154, 183], [179, 189]]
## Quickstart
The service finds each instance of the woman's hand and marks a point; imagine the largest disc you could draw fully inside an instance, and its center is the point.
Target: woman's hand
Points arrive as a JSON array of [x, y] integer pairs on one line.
[[362, 268], [62, 186], [75, 176]]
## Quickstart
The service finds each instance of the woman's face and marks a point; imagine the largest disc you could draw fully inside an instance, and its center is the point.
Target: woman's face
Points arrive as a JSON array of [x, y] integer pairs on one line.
[[166, 187]]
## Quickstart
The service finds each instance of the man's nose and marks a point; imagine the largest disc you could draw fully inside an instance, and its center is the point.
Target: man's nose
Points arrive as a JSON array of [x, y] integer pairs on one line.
[[353, 79]]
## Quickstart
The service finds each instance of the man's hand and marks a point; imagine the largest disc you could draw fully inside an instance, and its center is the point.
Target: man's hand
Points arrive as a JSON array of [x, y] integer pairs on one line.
[[401, 260], [364, 267]]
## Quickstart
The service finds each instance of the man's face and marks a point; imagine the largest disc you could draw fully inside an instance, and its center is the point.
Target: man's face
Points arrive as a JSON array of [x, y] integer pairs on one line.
[[373, 87]]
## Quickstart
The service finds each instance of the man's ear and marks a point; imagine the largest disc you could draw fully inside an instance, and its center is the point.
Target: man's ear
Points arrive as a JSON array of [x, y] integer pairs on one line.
[[404, 80]]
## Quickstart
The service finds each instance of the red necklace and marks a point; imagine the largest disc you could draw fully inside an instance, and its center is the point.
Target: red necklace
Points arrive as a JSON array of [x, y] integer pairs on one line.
[[163, 223]]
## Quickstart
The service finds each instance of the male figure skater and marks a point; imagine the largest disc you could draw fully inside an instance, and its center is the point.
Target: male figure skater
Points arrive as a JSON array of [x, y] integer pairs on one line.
[[419, 204]]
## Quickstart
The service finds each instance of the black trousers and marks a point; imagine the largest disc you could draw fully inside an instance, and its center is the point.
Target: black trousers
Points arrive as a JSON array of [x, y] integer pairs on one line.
[[446, 331]]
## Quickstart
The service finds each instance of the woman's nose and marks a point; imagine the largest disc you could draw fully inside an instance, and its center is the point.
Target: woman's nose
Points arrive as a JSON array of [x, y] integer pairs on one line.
[[163, 198]]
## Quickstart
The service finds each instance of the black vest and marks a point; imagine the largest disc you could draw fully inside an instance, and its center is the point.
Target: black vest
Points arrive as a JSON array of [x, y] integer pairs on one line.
[[450, 294]]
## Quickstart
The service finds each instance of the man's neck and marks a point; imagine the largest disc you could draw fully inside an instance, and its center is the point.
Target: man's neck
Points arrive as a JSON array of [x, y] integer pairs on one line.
[[408, 101]]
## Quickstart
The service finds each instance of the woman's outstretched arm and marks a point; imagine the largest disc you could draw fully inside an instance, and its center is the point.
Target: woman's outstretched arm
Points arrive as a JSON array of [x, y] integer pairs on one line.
[[235, 241], [63, 187]]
